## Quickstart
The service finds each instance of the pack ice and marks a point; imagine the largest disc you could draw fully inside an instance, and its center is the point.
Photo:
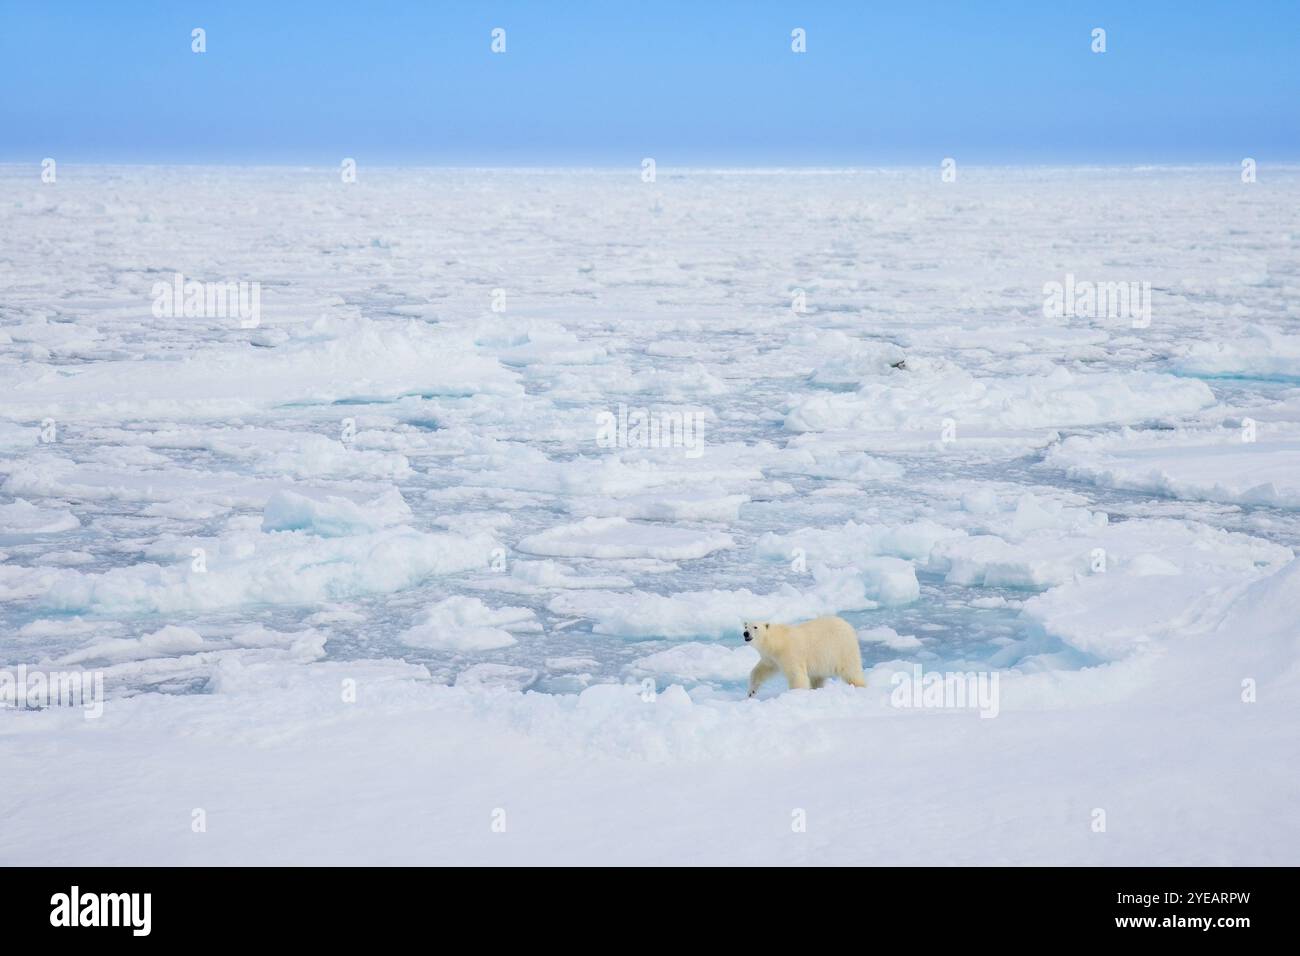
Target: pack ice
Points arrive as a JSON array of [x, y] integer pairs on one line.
[[376, 539]]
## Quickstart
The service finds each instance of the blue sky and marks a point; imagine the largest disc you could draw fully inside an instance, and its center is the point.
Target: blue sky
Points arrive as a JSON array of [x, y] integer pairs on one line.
[[687, 83]]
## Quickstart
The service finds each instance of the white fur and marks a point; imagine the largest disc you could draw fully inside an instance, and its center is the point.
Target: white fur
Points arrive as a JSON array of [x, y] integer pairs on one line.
[[807, 653]]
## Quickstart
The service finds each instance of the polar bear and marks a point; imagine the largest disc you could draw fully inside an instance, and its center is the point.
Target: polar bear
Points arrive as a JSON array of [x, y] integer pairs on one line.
[[806, 653]]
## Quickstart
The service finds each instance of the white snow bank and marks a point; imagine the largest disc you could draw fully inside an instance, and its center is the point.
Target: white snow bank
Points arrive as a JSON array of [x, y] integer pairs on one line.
[[726, 469], [331, 359], [23, 517], [620, 538], [693, 505], [1048, 557], [550, 574], [269, 451], [1114, 615], [1161, 581], [15, 437], [169, 641], [1257, 351], [859, 360], [1194, 464], [699, 662], [174, 653], [854, 542], [185, 489], [460, 623], [927, 394], [890, 638], [246, 568], [330, 516], [889, 582], [496, 677], [535, 342], [828, 462]]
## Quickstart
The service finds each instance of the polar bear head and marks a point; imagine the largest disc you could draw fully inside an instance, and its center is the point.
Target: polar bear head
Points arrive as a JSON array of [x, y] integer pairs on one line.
[[755, 630]]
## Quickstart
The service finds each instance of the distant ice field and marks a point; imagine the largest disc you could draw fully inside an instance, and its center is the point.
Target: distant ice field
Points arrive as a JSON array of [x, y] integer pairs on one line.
[[409, 456]]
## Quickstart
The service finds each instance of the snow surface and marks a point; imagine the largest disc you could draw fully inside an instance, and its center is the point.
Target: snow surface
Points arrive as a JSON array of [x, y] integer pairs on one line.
[[363, 576]]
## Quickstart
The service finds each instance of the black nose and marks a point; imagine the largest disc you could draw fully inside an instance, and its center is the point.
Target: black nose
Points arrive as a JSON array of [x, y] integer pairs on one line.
[[747, 637]]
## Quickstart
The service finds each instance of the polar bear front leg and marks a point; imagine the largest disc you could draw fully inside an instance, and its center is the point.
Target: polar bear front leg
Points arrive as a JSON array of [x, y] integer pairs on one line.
[[797, 678], [761, 672]]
